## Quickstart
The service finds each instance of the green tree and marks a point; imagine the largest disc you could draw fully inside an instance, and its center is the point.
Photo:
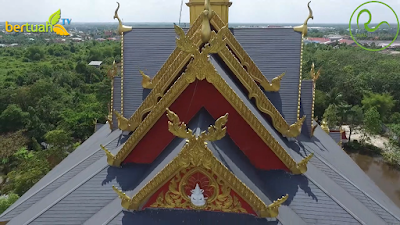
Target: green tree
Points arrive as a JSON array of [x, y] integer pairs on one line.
[[13, 118], [58, 138], [332, 115], [7, 200], [382, 102], [372, 121]]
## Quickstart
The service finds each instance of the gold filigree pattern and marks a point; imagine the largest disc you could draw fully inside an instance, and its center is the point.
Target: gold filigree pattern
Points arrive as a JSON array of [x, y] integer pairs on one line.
[[245, 60], [121, 28], [196, 154], [262, 102], [221, 200], [303, 28], [178, 128]]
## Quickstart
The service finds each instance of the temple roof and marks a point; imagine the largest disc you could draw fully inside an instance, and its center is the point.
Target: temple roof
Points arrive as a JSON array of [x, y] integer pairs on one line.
[[330, 189]]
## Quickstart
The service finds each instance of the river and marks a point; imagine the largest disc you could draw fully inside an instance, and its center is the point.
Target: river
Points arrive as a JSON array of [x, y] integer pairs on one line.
[[384, 176]]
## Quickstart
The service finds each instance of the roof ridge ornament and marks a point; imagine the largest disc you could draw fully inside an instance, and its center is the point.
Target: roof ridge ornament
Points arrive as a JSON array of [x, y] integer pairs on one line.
[[179, 129], [121, 28], [303, 28], [205, 25], [315, 75]]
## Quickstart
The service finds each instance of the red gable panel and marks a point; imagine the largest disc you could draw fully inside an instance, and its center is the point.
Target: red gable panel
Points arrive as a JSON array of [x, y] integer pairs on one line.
[[203, 94]]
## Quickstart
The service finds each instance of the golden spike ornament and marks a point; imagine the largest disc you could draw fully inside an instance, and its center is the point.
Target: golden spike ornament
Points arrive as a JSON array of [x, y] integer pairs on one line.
[[303, 28], [302, 165], [196, 157], [125, 199], [121, 28], [110, 156], [273, 208], [146, 81], [275, 84], [314, 75], [324, 126], [205, 25], [123, 123]]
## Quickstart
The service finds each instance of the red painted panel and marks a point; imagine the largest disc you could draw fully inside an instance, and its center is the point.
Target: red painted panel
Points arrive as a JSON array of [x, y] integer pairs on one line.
[[203, 94]]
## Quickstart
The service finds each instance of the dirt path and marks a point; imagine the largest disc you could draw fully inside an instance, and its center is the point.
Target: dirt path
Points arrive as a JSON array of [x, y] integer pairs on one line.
[[377, 141]]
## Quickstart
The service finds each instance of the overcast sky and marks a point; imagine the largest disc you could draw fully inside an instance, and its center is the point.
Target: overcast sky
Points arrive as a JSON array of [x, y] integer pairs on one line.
[[241, 11]]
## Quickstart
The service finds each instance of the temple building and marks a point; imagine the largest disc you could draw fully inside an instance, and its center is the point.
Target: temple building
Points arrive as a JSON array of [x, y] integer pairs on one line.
[[208, 125]]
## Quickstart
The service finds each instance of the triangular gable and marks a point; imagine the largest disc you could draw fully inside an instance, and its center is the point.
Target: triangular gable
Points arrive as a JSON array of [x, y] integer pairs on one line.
[[196, 179], [190, 47], [200, 68]]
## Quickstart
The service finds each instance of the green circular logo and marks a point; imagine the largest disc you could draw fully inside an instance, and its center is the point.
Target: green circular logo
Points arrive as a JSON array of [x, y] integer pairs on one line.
[[373, 29]]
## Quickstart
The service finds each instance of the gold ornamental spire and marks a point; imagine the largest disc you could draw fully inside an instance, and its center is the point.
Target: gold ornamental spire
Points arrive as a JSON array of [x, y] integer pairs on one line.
[[220, 7], [303, 28], [205, 25], [121, 28]]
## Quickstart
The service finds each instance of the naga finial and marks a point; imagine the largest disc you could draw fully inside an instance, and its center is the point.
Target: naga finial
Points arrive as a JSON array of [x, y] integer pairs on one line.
[[205, 26], [303, 28], [121, 28], [314, 75]]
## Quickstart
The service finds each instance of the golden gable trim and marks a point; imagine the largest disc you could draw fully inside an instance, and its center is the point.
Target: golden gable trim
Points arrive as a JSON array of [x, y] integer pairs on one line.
[[262, 102], [196, 154], [245, 60]]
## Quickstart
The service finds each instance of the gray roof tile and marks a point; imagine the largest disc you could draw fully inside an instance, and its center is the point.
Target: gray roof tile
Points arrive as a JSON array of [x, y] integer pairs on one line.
[[145, 49], [275, 51]]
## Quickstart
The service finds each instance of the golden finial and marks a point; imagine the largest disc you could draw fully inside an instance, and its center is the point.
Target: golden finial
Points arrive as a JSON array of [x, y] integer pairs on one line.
[[126, 201], [302, 166], [324, 126], [205, 26], [315, 75], [146, 81], [273, 208], [121, 28], [303, 28]]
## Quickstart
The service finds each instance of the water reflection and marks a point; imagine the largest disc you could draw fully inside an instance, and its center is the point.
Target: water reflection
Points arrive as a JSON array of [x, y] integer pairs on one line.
[[384, 176]]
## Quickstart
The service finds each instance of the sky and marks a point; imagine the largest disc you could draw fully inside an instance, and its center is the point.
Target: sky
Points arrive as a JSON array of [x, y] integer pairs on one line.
[[241, 11]]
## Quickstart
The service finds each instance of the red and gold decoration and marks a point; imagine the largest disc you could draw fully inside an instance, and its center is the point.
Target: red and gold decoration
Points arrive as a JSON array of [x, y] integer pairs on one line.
[[213, 194], [199, 180]]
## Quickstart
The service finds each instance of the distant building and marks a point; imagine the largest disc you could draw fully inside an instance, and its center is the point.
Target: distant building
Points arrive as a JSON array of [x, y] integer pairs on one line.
[[318, 40], [95, 63], [100, 39], [77, 39]]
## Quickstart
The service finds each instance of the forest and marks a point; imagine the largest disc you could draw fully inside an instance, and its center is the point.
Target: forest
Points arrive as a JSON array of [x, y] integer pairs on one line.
[[50, 99]]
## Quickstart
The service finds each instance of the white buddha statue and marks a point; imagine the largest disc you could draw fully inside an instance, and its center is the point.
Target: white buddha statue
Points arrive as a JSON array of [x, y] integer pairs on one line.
[[197, 198]]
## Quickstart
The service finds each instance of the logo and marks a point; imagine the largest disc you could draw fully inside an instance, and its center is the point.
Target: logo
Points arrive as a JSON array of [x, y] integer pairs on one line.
[[369, 29], [50, 26]]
